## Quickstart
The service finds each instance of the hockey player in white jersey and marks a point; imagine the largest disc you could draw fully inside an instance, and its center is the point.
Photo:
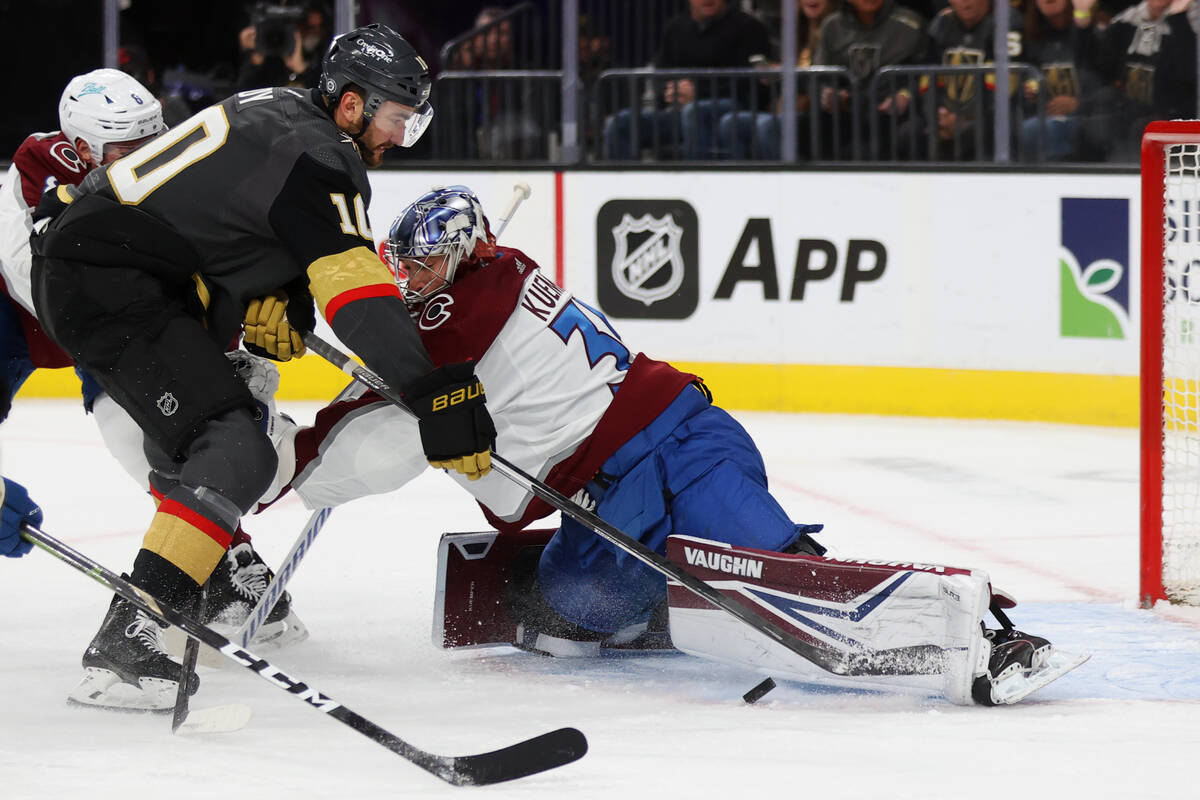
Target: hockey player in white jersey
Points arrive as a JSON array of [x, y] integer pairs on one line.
[[641, 444]]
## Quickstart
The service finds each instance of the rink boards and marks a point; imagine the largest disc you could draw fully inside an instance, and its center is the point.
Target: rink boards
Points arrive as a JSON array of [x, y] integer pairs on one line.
[[987, 295]]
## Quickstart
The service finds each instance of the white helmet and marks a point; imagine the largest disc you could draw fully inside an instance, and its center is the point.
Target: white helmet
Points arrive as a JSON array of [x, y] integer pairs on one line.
[[106, 106]]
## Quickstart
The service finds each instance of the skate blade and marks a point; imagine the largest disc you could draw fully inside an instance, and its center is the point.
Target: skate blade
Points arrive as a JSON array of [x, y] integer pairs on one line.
[[103, 689], [1020, 685], [215, 719]]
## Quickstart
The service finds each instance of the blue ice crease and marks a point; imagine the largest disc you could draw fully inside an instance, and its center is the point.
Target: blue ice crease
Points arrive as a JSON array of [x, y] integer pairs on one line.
[[1136, 654]]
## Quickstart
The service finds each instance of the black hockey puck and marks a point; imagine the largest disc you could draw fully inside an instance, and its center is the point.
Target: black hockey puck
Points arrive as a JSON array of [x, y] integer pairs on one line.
[[756, 694]]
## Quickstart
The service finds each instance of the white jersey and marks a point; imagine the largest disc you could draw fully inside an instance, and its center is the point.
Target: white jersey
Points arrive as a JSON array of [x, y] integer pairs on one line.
[[552, 368]]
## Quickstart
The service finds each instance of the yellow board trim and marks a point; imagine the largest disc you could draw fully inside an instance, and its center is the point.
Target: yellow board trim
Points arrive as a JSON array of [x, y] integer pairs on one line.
[[924, 392], [911, 391]]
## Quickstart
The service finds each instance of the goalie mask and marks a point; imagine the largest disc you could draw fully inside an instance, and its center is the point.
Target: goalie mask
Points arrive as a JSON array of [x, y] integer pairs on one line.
[[106, 108], [433, 238]]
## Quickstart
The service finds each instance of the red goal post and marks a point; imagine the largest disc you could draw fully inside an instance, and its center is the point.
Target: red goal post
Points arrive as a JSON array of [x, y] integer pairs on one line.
[[1170, 364]]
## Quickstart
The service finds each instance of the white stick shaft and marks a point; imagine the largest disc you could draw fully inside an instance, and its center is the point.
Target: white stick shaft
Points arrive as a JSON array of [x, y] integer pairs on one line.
[[520, 193]]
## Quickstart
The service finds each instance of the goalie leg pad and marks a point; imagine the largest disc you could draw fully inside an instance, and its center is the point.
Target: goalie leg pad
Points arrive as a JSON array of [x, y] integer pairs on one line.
[[901, 626]]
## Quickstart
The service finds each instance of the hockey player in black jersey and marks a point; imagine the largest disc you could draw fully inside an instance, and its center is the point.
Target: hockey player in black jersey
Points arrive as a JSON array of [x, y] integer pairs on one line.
[[145, 275]]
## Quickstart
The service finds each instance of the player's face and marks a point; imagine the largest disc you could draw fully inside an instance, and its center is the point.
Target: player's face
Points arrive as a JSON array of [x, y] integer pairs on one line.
[[393, 124], [426, 277]]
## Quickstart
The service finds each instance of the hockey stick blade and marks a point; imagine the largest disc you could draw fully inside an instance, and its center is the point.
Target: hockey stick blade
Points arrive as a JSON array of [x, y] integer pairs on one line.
[[215, 719], [522, 759]]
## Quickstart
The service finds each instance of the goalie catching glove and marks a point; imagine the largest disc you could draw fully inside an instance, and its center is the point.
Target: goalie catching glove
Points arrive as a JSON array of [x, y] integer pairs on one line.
[[268, 332], [456, 430]]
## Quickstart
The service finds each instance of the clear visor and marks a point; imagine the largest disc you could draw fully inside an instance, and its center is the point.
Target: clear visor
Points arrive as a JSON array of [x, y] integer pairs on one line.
[[115, 150], [401, 124]]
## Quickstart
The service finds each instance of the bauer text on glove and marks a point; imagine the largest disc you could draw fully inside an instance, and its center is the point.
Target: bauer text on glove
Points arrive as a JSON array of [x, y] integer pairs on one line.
[[456, 430]]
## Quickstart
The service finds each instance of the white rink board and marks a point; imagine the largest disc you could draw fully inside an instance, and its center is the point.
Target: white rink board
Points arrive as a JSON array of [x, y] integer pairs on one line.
[[971, 280]]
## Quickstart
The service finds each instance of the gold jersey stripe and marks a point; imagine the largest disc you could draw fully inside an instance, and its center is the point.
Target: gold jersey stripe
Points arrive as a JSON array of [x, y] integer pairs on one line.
[[340, 273], [184, 545]]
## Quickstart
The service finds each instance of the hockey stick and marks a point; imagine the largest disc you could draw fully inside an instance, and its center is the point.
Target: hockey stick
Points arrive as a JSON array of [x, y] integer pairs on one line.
[[529, 757], [827, 658], [221, 719], [520, 195], [191, 653]]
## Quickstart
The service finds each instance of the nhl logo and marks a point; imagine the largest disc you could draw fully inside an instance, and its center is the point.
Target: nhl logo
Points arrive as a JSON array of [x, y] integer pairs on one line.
[[637, 273], [647, 258], [167, 404]]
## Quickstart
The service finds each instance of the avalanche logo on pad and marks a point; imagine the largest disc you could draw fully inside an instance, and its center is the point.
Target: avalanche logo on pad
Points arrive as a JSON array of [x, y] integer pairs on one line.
[[646, 259], [1093, 264]]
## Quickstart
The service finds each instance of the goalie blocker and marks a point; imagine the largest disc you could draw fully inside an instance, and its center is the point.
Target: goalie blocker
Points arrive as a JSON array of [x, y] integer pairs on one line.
[[892, 626]]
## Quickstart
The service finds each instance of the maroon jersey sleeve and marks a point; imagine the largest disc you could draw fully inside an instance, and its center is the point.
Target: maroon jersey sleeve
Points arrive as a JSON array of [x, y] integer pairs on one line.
[[45, 160]]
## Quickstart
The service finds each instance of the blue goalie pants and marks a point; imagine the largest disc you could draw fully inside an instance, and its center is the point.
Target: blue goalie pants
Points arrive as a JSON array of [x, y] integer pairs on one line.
[[17, 364], [693, 471]]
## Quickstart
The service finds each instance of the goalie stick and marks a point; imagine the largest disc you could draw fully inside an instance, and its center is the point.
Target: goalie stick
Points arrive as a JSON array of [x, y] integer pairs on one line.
[[858, 662], [529, 757]]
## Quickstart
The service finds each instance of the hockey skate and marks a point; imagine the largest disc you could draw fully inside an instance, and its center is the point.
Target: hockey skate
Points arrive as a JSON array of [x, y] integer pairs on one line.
[[1018, 665], [126, 666], [234, 589]]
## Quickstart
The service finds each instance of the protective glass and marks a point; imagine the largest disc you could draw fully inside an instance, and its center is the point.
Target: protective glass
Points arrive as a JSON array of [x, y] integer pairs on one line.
[[115, 150]]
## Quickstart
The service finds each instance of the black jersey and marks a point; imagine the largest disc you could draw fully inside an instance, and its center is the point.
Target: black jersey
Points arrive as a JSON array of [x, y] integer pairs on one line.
[[896, 36], [256, 193]]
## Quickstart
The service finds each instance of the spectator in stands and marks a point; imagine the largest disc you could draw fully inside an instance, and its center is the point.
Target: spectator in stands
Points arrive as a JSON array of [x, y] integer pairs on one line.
[[757, 133], [497, 113], [1053, 44], [283, 46], [961, 124], [1146, 58], [710, 34], [490, 48], [863, 37]]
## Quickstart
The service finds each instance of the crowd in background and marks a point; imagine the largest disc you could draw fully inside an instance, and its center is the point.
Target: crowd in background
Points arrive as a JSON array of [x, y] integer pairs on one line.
[[1097, 71]]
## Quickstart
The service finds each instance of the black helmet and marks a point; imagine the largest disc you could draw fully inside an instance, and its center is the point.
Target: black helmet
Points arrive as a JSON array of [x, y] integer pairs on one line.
[[379, 60]]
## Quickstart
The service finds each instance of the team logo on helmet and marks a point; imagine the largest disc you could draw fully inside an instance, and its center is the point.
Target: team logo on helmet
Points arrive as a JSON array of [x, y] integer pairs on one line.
[[379, 52], [91, 88], [167, 404], [638, 272]]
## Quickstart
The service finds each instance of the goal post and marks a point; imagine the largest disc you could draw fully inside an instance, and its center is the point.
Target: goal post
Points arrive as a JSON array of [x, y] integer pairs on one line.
[[1170, 364]]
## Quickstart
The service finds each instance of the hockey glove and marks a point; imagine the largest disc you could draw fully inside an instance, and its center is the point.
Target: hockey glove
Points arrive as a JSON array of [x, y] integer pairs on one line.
[[268, 333], [17, 509], [456, 429]]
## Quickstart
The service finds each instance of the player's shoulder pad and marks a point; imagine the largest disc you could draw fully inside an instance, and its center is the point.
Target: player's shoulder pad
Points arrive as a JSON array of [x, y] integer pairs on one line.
[[510, 258]]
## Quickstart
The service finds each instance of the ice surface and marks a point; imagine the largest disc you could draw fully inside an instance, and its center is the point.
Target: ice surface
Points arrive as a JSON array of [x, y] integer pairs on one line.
[[1050, 511]]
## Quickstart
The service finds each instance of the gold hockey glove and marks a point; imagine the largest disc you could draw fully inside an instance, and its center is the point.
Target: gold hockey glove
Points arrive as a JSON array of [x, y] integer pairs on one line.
[[267, 330]]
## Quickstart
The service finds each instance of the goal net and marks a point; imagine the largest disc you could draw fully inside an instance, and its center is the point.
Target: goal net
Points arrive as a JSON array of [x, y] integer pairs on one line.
[[1170, 370]]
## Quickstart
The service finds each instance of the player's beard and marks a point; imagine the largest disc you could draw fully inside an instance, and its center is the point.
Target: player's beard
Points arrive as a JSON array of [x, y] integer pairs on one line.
[[369, 149]]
